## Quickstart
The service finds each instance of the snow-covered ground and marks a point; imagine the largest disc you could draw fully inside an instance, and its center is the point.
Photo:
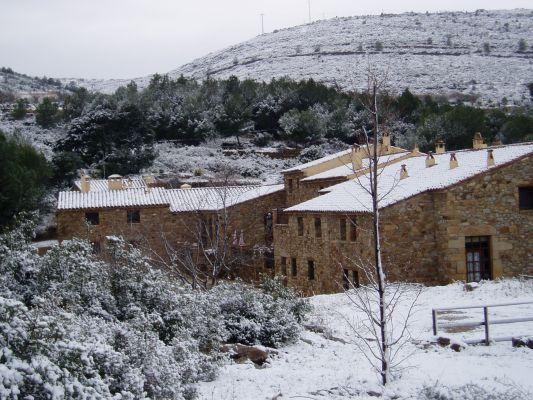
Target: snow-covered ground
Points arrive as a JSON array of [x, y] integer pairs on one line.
[[445, 53], [320, 368]]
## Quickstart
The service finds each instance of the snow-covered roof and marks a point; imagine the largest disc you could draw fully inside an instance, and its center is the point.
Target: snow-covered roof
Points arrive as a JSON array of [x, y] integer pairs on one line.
[[178, 200], [319, 161], [351, 196], [347, 169], [101, 185]]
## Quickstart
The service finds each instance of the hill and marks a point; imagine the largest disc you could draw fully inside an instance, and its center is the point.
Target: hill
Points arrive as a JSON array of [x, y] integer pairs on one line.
[[455, 54], [14, 84]]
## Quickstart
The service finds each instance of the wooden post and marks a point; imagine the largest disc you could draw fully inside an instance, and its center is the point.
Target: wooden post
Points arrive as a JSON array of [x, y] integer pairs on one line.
[[434, 314], [486, 314]]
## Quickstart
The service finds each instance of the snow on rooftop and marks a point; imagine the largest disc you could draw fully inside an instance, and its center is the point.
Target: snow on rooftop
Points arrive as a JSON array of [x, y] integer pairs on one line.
[[319, 161], [178, 200], [101, 185], [347, 169], [351, 196]]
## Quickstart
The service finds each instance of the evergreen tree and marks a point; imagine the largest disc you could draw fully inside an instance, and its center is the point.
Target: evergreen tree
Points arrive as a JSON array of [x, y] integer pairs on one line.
[[19, 112], [46, 113]]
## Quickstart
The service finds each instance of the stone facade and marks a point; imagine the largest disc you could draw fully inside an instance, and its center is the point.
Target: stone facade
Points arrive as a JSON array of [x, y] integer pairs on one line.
[[423, 237], [157, 226]]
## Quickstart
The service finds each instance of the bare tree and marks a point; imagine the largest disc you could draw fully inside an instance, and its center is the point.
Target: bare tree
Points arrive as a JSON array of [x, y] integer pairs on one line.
[[377, 299]]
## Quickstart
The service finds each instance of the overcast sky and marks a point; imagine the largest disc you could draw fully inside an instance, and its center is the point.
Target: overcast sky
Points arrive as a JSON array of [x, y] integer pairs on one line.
[[131, 38]]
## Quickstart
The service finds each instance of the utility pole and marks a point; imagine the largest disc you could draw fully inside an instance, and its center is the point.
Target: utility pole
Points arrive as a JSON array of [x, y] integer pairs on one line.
[[262, 24], [309, 8]]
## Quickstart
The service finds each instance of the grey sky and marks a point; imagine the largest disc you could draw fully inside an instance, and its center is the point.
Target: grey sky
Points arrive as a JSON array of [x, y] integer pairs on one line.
[[130, 38]]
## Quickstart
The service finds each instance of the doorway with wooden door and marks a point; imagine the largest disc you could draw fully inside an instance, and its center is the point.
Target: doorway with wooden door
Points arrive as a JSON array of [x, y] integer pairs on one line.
[[478, 265]]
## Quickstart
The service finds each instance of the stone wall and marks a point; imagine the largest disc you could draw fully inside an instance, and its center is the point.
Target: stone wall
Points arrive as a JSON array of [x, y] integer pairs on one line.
[[423, 237], [159, 227]]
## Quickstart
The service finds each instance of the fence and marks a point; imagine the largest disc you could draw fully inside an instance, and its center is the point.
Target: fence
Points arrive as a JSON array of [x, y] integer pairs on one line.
[[486, 321]]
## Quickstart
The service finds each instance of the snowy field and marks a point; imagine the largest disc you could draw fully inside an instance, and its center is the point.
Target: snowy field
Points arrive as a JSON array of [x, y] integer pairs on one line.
[[320, 368]]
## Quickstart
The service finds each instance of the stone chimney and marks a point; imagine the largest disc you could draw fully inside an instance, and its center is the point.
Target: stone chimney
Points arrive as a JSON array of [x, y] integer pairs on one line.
[[185, 186], [439, 147], [497, 142], [453, 161], [85, 183], [478, 142], [430, 160], [357, 158], [403, 172], [416, 149], [490, 158], [115, 182]]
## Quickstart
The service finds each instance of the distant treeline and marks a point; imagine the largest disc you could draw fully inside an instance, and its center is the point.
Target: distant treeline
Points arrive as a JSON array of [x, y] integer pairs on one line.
[[118, 130]]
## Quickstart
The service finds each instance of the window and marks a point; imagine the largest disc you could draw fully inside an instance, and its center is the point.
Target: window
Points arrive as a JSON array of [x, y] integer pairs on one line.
[[318, 227], [92, 218], [353, 229], [477, 258], [348, 283], [311, 270], [294, 267], [284, 266], [134, 217], [300, 226], [269, 260], [342, 229], [525, 198], [268, 226], [289, 183]]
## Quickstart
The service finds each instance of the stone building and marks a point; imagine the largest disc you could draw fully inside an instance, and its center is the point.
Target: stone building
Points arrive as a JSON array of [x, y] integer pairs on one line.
[[167, 223], [465, 215]]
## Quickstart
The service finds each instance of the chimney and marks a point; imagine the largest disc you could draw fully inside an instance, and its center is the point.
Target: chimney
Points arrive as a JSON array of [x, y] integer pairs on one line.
[[440, 148], [416, 149], [185, 186], [85, 183], [453, 161], [490, 158], [357, 158], [430, 160], [403, 172], [149, 180], [114, 182], [478, 142]]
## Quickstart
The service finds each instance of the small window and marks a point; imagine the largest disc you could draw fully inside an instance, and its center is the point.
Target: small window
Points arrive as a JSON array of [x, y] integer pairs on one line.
[[289, 183], [284, 266], [342, 229], [92, 218], [96, 247], [269, 261], [525, 198], [350, 279], [134, 217], [311, 270], [300, 226], [294, 267], [353, 229], [318, 227]]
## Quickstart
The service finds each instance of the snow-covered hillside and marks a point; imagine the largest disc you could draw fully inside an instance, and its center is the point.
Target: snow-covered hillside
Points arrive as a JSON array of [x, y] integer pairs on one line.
[[331, 365], [21, 85], [445, 53]]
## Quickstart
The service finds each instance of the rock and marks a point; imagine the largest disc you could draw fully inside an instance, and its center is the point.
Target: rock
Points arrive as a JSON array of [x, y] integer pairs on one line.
[[471, 286], [523, 342], [456, 347], [310, 342], [315, 328], [443, 341], [241, 353]]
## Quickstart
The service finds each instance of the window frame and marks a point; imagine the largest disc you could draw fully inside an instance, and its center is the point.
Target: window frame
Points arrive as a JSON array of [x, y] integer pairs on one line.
[[294, 267], [283, 267], [525, 200], [89, 220], [318, 227], [311, 270], [342, 229], [133, 212], [353, 229], [300, 224]]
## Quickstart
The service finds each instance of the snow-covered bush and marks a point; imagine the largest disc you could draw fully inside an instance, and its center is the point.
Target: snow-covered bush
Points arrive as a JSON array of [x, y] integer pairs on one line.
[[472, 391], [73, 326], [270, 317]]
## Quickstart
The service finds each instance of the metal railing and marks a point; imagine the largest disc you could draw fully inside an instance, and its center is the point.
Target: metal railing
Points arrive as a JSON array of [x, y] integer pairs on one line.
[[486, 321]]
